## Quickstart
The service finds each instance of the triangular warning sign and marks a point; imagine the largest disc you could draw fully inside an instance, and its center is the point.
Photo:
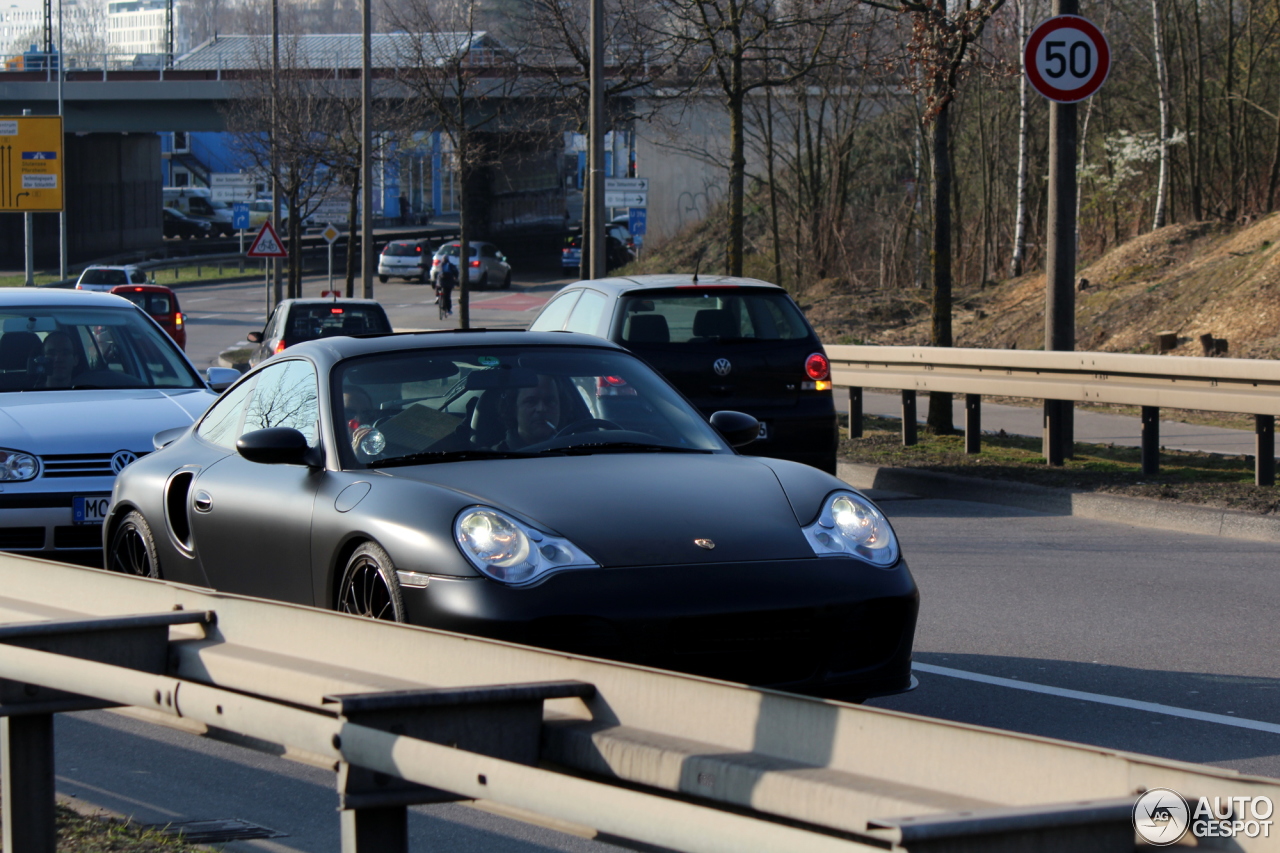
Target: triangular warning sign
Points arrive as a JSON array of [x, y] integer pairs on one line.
[[267, 244]]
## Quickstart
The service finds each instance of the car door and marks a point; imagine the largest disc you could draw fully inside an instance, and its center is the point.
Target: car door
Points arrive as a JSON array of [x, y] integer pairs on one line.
[[251, 522]]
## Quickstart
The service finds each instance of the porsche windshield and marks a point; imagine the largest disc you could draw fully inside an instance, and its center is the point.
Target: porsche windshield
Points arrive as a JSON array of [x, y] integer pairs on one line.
[[47, 349], [413, 407]]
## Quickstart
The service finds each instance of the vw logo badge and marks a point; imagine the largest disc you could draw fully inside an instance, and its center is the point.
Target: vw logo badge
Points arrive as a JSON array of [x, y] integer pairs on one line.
[[121, 459], [722, 367]]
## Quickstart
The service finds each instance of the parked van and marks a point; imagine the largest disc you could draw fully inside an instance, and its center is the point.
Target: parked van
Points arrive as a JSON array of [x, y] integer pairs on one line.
[[198, 202]]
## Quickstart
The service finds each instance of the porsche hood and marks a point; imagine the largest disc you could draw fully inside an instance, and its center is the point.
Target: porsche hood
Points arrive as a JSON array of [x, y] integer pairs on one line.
[[669, 509]]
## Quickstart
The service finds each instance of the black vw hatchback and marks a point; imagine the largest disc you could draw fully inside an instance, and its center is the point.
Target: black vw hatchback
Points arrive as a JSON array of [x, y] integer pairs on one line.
[[726, 343]]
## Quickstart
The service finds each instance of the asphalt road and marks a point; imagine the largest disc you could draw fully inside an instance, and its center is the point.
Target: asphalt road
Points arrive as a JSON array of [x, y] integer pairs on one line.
[[1094, 632]]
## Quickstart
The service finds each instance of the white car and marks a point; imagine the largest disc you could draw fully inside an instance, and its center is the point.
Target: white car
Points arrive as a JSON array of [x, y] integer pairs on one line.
[[86, 381], [407, 259], [104, 278], [488, 267]]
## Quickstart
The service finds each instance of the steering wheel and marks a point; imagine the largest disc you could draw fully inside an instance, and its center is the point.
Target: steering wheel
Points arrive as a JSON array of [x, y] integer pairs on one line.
[[584, 425]]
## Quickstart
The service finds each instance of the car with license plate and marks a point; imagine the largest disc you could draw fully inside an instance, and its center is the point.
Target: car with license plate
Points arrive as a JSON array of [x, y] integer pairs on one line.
[[86, 380], [407, 259], [296, 320], [161, 304], [487, 267], [549, 489], [725, 342]]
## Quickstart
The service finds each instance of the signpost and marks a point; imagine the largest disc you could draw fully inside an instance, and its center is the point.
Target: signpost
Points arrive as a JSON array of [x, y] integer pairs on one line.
[[330, 234], [240, 221], [231, 186], [1066, 60], [626, 192], [637, 224], [34, 145]]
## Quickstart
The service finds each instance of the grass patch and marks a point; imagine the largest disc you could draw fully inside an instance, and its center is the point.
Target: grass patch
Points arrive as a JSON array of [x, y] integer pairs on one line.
[[1199, 478], [191, 274], [78, 833]]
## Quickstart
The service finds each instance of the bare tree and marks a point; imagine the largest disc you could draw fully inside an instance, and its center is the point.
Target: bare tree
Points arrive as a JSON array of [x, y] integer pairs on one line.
[[737, 47], [459, 77], [301, 120]]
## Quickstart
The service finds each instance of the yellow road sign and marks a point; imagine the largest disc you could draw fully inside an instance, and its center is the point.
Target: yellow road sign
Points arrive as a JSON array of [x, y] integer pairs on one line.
[[31, 174]]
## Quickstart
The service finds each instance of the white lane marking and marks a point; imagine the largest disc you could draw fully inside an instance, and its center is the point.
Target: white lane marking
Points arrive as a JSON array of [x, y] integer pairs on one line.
[[1150, 707]]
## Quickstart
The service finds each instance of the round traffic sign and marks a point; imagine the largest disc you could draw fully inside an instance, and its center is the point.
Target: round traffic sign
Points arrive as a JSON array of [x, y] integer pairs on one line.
[[1067, 58]]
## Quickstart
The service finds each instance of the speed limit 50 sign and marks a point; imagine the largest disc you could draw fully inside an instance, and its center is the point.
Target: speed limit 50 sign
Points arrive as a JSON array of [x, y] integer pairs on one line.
[[1067, 58]]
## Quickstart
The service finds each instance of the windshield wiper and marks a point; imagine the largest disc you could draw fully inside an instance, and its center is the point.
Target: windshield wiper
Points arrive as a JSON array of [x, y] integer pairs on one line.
[[588, 447], [428, 457]]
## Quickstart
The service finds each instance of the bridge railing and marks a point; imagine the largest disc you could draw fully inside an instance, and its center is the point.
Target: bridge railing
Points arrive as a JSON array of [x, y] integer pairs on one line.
[[637, 755], [1151, 382]]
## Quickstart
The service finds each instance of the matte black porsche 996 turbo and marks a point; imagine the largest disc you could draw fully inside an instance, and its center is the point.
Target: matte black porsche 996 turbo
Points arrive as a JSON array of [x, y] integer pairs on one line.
[[545, 488]]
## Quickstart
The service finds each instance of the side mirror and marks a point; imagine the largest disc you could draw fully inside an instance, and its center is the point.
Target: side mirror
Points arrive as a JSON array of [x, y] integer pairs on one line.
[[165, 437], [254, 337], [221, 378], [737, 428], [277, 446]]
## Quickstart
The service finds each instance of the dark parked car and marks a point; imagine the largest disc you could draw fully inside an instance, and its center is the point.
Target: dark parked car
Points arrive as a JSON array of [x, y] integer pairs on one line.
[[616, 254], [727, 343], [161, 303], [298, 320], [550, 489], [178, 224]]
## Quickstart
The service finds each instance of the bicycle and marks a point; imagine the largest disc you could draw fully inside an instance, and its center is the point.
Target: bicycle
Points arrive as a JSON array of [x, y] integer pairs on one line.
[[444, 292]]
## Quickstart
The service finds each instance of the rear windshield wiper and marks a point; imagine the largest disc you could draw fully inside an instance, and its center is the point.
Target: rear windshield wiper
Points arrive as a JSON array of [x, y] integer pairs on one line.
[[428, 457]]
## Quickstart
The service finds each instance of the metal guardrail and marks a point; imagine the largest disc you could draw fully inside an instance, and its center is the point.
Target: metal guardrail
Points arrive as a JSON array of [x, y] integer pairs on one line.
[[639, 755], [1239, 385]]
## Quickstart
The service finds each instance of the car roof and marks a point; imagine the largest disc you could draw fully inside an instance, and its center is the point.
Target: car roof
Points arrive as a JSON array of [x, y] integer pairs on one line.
[[328, 351], [618, 285], [142, 288], [128, 267], [329, 300], [53, 297]]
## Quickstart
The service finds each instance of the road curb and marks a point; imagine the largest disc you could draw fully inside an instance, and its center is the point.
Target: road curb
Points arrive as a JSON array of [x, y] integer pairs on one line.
[[1141, 512]]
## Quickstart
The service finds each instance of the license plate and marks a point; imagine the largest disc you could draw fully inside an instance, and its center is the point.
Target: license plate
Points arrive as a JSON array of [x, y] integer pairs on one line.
[[90, 509], [764, 431]]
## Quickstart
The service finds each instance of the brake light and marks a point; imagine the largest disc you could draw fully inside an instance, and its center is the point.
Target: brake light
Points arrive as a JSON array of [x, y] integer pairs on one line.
[[137, 290], [818, 369], [280, 345], [178, 319], [613, 386], [475, 263], [817, 366], [435, 262], [335, 310], [418, 249]]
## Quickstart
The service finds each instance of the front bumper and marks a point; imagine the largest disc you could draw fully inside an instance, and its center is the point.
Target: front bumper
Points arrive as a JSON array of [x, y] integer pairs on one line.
[[37, 522], [830, 626]]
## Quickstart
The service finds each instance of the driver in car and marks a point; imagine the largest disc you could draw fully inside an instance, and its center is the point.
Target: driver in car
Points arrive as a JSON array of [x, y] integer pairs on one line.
[[531, 414]]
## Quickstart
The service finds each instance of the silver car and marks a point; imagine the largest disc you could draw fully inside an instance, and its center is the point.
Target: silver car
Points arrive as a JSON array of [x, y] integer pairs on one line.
[[407, 259], [102, 278], [488, 267], [86, 381]]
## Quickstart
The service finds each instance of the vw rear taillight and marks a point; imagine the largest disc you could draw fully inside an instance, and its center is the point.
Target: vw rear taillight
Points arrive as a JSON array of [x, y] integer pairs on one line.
[[817, 366], [280, 345], [818, 369], [475, 263]]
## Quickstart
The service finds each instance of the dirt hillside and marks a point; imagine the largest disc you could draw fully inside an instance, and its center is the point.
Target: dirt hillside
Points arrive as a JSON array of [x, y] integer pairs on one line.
[[1191, 279]]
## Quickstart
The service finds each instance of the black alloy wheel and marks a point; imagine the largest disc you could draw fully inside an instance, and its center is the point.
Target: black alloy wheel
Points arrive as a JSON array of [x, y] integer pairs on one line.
[[133, 548], [370, 587]]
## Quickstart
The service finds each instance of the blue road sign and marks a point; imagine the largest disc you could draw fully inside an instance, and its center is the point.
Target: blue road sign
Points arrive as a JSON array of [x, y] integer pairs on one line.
[[636, 219], [240, 215]]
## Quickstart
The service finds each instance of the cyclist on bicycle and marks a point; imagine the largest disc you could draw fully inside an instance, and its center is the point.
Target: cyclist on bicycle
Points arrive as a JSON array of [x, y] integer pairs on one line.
[[446, 280]]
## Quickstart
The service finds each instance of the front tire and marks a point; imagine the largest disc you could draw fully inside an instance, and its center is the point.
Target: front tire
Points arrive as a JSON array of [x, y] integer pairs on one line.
[[484, 282], [382, 278], [133, 548], [370, 587]]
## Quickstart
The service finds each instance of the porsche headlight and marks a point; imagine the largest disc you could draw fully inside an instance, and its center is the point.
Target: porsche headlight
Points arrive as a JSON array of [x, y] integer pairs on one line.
[[16, 466], [850, 525], [509, 551]]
